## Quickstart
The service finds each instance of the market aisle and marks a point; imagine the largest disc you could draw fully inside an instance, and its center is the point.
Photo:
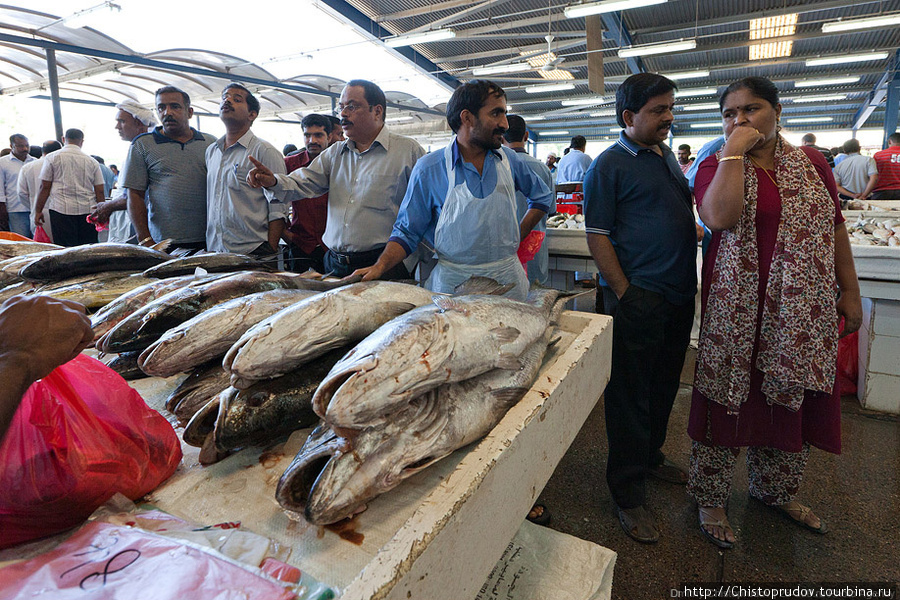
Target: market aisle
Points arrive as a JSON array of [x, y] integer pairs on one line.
[[857, 493]]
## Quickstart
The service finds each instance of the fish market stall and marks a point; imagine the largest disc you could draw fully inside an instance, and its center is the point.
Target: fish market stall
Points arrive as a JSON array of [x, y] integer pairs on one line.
[[875, 238], [440, 532]]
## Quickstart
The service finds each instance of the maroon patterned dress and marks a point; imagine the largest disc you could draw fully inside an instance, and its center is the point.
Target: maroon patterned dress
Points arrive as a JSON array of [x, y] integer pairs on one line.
[[818, 421]]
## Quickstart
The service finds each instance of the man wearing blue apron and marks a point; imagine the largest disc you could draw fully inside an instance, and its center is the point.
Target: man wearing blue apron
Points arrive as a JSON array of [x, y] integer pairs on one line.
[[461, 201]]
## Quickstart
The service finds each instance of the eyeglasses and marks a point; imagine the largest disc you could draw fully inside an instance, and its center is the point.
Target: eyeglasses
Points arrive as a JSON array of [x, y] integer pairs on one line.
[[350, 107]]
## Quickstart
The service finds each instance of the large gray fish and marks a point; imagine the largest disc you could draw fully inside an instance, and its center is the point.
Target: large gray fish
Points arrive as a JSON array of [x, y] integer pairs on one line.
[[123, 306], [11, 248], [91, 258], [96, 290], [310, 328], [269, 409], [149, 323], [202, 385], [213, 262], [210, 334], [10, 267], [454, 339], [332, 478]]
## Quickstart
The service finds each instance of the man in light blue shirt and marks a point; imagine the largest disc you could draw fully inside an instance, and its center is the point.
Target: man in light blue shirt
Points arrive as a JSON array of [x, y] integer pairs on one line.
[[516, 137], [365, 178], [461, 200], [572, 166], [10, 165], [240, 218]]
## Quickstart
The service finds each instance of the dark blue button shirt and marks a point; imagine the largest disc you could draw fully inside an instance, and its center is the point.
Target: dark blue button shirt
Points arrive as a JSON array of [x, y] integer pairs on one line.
[[641, 200]]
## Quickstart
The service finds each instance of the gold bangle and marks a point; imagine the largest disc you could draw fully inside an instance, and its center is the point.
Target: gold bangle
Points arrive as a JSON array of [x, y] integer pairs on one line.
[[734, 157], [145, 240]]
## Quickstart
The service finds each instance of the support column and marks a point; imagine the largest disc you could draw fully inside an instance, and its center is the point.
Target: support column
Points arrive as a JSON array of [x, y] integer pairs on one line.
[[54, 93], [891, 108]]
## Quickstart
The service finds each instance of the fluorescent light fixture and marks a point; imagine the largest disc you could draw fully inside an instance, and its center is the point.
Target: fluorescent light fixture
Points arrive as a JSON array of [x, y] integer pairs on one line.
[[811, 120], [648, 49], [615, 129], [498, 69], [706, 106], [769, 27], [596, 8], [770, 50], [83, 18], [403, 119], [686, 75], [832, 81], [706, 125], [553, 87], [583, 101], [534, 118], [610, 112], [870, 22], [820, 98], [435, 35], [688, 92], [846, 58], [554, 132]]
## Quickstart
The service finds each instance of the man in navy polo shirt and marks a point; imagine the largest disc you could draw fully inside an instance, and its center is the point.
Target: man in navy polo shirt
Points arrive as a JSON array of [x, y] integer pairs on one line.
[[640, 229]]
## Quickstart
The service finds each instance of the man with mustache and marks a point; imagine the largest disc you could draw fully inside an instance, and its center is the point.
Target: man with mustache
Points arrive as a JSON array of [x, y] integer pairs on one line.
[[132, 120], [365, 177], [165, 174], [11, 209], [240, 218], [309, 216], [640, 230], [462, 201]]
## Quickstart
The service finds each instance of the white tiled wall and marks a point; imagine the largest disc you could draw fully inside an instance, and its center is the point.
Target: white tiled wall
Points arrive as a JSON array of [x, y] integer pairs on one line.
[[879, 356]]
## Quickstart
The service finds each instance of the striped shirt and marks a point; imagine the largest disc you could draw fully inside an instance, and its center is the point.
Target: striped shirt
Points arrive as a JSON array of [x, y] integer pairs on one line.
[[174, 174], [74, 175], [888, 162]]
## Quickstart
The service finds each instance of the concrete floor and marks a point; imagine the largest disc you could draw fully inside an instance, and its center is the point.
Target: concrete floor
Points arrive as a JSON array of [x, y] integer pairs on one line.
[[856, 493]]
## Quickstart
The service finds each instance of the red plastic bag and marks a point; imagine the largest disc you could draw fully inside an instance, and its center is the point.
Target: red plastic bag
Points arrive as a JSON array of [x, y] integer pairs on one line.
[[40, 235], [848, 364], [80, 435], [529, 247]]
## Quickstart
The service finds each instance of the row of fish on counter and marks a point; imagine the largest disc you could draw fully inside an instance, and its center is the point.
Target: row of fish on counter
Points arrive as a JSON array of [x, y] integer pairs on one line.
[[874, 231], [392, 376]]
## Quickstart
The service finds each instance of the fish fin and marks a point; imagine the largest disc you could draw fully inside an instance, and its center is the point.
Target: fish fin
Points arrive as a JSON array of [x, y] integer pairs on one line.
[[509, 361], [509, 395], [200, 272], [396, 308], [163, 245], [505, 335], [482, 285], [446, 303]]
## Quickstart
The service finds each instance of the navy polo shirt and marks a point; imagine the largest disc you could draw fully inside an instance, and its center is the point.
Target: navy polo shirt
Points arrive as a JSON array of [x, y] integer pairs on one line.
[[641, 200]]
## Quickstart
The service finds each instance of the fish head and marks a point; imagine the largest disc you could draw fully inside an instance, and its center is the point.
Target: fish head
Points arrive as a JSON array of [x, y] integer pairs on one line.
[[292, 492]]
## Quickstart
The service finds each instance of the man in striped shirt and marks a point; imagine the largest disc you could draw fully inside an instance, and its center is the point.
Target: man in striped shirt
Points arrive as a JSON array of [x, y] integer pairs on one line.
[[72, 182]]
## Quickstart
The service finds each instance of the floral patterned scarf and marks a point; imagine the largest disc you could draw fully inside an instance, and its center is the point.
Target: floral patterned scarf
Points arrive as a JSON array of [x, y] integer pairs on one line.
[[798, 329]]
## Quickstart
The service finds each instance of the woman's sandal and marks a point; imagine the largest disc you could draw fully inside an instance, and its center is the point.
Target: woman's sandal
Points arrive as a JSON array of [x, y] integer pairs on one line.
[[707, 520], [799, 514]]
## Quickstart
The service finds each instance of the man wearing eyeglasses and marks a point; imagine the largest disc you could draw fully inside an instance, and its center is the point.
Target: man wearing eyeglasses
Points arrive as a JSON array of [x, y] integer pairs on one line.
[[365, 177]]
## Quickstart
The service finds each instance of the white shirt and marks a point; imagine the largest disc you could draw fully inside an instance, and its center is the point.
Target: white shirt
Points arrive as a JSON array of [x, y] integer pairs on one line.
[[29, 184], [10, 166], [74, 175]]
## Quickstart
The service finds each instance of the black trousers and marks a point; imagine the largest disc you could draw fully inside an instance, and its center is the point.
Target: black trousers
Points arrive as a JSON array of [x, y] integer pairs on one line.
[[300, 261], [885, 195], [72, 230], [341, 264], [650, 338]]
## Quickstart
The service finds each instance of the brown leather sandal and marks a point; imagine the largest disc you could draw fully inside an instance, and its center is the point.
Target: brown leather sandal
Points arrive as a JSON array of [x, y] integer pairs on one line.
[[799, 514], [708, 520]]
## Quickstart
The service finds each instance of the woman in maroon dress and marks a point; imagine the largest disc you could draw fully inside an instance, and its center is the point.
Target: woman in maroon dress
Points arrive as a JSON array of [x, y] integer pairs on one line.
[[768, 341]]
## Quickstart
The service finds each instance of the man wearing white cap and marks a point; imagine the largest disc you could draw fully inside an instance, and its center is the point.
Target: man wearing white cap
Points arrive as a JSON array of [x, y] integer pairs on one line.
[[132, 120]]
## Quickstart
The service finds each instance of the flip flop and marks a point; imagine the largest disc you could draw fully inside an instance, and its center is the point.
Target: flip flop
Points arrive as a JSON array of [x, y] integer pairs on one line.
[[543, 518], [706, 521], [802, 512]]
